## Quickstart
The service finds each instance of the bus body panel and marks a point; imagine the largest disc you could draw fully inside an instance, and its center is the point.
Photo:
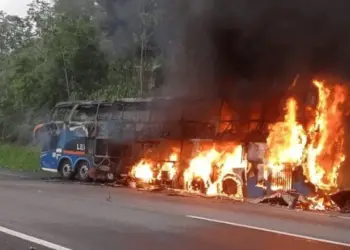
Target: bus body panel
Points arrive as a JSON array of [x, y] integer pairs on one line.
[[50, 161]]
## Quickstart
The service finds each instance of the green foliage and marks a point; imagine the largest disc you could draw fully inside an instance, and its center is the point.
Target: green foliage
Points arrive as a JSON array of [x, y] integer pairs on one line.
[[19, 157], [58, 52], [122, 79]]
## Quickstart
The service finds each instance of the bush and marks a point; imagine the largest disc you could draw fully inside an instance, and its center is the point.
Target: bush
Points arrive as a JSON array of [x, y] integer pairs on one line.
[[15, 157]]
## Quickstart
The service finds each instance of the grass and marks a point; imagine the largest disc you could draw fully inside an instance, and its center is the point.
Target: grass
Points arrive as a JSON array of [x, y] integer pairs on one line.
[[20, 158]]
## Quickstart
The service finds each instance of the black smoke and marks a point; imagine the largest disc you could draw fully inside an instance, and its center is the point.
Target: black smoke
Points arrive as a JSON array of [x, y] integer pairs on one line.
[[252, 50], [249, 48]]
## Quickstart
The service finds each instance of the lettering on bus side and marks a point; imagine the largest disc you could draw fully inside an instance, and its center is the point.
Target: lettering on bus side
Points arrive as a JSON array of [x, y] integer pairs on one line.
[[81, 147]]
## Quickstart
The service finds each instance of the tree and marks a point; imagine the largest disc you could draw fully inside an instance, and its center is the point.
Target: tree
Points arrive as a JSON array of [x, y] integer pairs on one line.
[[149, 16], [79, 49], [131, 26], [59, 60]]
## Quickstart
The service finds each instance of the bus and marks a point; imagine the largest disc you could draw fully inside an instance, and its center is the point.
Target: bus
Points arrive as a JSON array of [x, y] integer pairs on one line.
[[104, 140]]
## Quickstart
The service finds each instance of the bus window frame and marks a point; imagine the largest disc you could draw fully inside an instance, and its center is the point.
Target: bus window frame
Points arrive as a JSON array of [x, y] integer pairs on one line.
[[82, 105], [104, 105], [71, 107]]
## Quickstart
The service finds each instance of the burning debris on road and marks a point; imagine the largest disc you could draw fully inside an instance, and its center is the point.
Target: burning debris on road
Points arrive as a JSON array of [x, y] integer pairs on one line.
[[298, 167]]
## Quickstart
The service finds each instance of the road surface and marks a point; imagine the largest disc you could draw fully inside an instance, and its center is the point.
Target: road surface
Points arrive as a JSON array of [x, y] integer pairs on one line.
[[37, 214]]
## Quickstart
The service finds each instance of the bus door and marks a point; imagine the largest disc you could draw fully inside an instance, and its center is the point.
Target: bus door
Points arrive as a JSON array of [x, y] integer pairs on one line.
[[49, 135], [79, 128]]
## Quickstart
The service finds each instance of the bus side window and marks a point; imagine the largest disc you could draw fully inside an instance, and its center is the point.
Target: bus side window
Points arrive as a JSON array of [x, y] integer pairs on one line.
[[84, 113], [61, 113]]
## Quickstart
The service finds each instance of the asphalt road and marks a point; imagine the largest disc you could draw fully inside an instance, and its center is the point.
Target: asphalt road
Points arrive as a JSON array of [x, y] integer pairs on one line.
[[53, 215]]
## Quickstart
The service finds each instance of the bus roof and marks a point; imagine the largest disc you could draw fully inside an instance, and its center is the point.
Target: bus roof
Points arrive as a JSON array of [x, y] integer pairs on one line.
[[129, 101], [72, 103], [146, 99], [126, 100]]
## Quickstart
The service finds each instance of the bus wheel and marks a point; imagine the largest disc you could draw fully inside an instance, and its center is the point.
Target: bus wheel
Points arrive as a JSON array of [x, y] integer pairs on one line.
[[83, 171], [66, 170]]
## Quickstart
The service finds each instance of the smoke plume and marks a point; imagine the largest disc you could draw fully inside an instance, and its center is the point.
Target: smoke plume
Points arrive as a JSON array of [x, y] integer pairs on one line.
[[249, 48]]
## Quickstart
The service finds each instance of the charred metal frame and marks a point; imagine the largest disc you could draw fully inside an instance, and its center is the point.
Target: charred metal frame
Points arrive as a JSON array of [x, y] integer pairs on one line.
[[111, 127]]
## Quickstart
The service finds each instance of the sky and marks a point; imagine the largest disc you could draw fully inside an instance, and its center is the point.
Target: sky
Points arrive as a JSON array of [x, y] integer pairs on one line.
[[14, 7]]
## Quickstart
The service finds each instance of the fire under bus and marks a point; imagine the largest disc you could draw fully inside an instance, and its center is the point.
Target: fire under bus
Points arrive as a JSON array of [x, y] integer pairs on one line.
[[197, 145], [91, 139], [207, 148]]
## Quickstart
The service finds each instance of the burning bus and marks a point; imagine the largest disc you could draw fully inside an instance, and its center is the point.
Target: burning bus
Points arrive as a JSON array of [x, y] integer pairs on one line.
[[104, 140], [200, 145]]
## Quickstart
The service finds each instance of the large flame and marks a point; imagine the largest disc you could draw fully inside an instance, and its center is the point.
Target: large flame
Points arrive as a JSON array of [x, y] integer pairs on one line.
[[286, 143], [325, 152], [318, 148], [143, 170], [202, 167], [146, 170], [169, 167], [287, 139]]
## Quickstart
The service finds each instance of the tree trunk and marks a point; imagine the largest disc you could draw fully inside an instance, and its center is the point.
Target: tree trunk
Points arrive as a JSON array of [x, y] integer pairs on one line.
[[66, 77]]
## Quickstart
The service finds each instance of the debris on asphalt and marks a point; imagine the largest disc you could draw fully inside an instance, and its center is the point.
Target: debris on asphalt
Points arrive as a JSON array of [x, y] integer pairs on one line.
[[132, 184], [177, 194], [317, 200], [295, 200], [109, 198], [279, 199], [342, 199], [150, 188], [346, 208]]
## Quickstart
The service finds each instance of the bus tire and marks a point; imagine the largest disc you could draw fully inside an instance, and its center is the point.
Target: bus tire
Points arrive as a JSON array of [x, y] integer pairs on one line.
[[66, 170], [83, 171]]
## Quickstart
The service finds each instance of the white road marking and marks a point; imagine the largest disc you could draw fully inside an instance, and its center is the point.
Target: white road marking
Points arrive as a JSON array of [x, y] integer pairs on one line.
[[270, 231], [15, 175], [32, 239]]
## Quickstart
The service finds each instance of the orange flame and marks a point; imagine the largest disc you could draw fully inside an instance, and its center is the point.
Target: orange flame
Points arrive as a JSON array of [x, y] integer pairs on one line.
[[201, 167], [287, 139], [203, 164], [319, 149], [146, 169], [143, 171], [325, 152], [169, 167], [316, 203]]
